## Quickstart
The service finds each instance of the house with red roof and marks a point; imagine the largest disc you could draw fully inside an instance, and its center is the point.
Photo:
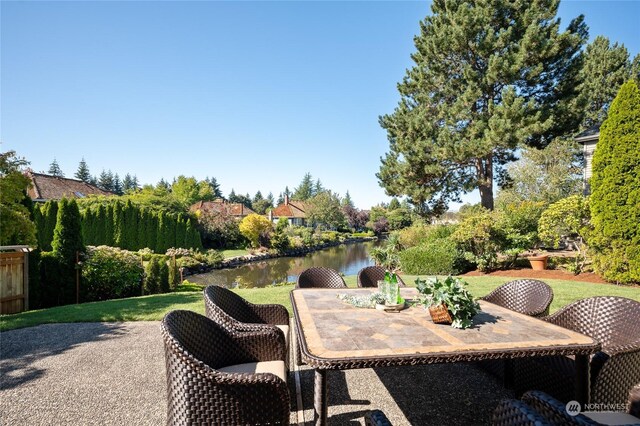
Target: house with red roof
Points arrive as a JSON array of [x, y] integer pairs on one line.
[[294, 211]]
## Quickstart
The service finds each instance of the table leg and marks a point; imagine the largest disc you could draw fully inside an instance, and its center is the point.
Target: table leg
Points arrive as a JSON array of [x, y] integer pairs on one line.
[[320, 397], [583, 385]]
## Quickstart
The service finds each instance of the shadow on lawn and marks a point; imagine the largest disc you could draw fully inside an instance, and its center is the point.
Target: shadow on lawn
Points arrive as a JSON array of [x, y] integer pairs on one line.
[[21, 349]]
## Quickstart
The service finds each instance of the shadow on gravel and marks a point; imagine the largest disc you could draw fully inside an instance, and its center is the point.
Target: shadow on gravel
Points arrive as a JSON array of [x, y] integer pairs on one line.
[[21, 349], [451, 394], [338, 394]]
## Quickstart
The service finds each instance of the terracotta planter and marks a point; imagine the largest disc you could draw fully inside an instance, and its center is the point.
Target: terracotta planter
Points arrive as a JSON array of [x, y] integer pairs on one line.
[[538, 263]]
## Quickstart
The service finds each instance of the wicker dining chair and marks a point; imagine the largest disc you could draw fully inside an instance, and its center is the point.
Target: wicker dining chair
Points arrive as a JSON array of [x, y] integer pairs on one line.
[[529, 297], [615, 370], [376, 418], [537, 408], [370, 275], [236, 313], [319, 277], [218, 376]]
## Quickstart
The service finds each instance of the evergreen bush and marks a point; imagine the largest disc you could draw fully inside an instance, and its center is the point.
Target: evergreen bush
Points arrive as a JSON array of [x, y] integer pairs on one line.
[[152, 276], [615, 186], [163, 270], [439, 256]]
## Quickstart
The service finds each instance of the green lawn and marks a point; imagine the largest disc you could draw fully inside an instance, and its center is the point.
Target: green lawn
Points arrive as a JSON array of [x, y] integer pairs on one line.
[[153, 308], [234, 252]]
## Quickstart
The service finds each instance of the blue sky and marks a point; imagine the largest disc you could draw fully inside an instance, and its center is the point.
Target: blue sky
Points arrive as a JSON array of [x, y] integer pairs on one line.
[[255, 94]]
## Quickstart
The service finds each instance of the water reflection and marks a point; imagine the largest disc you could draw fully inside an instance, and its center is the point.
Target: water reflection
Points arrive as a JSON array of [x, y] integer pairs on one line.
[[347, 259]]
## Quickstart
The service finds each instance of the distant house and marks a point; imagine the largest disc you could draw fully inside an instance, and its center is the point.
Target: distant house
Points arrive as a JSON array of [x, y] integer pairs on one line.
[[46, 187], [588, 139], [294, 211], [219, 205]]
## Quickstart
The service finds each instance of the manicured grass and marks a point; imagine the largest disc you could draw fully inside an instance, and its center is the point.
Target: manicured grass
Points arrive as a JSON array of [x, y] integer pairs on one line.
[[234, 252], [153, 308]]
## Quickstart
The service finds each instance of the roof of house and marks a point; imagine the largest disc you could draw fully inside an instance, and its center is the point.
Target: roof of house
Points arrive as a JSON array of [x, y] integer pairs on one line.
[[47, 187], [219, 206], [290, 209], [591, 134]]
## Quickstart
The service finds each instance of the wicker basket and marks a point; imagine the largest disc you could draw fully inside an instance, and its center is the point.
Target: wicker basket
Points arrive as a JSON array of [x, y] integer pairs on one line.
[[440, 314]]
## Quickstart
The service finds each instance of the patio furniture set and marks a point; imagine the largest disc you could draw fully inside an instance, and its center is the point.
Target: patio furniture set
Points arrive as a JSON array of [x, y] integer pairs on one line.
[[230, 366]]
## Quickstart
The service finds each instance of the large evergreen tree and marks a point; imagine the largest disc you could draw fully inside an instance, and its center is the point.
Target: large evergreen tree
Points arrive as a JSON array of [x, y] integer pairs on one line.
[[305, 190], [105, 180], [488, 77], [83, 173], [54, 169], [605, 68], [615, 185], [16, 227], [215, 187]]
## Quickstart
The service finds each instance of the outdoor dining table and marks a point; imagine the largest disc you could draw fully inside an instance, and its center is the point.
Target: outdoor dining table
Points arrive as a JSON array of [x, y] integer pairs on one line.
[[334, 335]]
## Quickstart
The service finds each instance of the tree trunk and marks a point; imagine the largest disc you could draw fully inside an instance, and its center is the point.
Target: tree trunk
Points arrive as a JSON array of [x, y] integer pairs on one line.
[[485, 181]]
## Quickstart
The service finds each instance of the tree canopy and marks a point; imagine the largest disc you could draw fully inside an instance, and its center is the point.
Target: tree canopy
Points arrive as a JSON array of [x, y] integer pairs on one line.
[[17, 227], [488, 76]]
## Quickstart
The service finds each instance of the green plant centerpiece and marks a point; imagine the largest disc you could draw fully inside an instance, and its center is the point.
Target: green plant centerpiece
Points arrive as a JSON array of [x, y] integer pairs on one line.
[[448, 301]]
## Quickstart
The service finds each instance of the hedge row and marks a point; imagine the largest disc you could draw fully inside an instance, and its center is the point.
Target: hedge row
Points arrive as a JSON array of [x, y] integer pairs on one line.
[[122, 225]]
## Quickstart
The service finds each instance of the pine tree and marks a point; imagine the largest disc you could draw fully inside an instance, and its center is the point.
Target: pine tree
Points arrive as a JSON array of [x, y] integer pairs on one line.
[[465, 107], [635, 68], [38, 220], [304, 191], [134, 183], [117, 185], [347, 201], [105, 181], [55, 170], [280, 199], [215, 187], [83, 172], [605, 68], [318, 188], [233, 198], [615, 186]]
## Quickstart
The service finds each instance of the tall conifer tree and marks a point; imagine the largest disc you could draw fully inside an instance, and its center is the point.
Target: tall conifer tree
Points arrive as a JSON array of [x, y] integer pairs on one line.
[[54, 169], [488, 76], [83, 173]]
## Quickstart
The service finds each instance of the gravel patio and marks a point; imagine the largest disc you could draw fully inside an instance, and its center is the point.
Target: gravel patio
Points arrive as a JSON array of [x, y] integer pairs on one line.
[[114, 374]]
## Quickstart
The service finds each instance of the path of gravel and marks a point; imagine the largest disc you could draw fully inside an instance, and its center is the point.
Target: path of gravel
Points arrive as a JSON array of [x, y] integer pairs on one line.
[[113, 374]]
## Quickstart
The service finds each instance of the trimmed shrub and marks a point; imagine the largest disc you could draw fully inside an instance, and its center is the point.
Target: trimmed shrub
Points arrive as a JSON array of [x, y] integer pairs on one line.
[[110, 273], [439, 256], [152, 276], [480, 238], [57, 281], [615, 186], [163, 272]]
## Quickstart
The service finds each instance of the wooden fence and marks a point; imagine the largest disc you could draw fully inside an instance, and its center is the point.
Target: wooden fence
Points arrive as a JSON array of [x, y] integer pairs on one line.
[[14, 280]]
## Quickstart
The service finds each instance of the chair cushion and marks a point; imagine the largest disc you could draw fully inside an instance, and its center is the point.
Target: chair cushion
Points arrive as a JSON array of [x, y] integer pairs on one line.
[[274, 367], [285, 330], [612, 418]]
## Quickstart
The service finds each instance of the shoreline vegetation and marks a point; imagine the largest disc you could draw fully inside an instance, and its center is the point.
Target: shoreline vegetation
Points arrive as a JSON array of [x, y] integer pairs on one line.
[[235, 261], [189, 296]]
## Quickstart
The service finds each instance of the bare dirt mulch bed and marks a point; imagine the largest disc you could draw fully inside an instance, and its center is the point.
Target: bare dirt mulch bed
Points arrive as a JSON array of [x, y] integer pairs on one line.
[[552, 274]]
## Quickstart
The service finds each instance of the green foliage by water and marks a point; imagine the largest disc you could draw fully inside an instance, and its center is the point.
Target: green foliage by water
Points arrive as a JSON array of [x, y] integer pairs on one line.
[[110, 273], [615, 186]]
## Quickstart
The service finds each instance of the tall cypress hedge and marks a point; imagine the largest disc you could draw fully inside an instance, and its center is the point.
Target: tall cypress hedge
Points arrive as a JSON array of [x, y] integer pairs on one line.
[[615, 185], [121, 225]]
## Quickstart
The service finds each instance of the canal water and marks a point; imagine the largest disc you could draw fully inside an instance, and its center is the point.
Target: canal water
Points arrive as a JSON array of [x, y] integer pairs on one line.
[[347, 259]]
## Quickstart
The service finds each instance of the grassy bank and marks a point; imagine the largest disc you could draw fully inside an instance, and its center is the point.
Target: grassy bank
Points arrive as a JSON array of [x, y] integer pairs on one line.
[[153, 308]]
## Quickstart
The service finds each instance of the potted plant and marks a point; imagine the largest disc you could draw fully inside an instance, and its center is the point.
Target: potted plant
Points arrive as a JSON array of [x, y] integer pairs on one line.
[[538, 261], [448, 301]]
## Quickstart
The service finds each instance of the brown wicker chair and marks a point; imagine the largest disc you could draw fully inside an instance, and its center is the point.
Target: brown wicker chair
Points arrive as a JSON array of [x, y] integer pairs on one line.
[[370, 275], [320, 278], [529, 297], [376, 418], [613, 321], [217, 376], [538, 408], [236, 313]]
